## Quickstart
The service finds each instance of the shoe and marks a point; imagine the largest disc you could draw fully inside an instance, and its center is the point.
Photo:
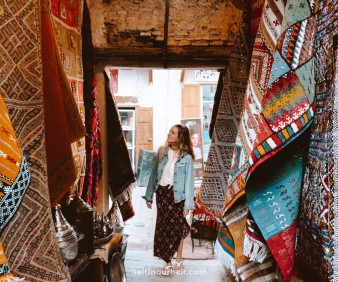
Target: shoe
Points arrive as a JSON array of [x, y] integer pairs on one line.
[[178, 266], [167, 270]]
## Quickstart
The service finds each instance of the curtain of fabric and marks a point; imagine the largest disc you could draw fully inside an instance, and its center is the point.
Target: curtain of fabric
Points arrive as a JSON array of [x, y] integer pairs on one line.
[[277, 108], [58, 103], [31, 230], [93, 144], [120, 173]]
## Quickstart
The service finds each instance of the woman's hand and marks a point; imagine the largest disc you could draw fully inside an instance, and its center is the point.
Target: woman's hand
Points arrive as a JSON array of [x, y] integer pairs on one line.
[[149, 205], [185, 213]]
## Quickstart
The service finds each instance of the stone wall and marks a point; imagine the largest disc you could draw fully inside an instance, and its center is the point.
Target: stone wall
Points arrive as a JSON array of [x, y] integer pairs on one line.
[[140, 23]]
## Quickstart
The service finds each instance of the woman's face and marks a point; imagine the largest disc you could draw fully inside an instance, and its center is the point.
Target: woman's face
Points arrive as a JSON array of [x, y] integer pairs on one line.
[[173, 135]]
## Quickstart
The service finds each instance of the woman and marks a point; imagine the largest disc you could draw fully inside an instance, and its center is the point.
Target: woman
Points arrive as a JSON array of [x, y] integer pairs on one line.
[[172, 178]]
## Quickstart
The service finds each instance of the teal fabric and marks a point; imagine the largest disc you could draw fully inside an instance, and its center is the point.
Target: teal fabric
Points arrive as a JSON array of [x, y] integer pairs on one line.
[[144, 167], [183, 179]]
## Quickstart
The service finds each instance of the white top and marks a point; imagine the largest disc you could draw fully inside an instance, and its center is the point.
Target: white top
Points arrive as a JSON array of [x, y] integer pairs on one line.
[[168, 170]]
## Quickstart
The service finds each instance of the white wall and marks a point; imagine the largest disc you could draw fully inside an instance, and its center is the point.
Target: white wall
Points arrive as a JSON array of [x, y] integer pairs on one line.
[[163, 95]]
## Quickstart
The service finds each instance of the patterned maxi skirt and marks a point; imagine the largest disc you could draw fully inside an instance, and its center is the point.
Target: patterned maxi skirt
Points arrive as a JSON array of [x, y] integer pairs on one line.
[[171, 225]]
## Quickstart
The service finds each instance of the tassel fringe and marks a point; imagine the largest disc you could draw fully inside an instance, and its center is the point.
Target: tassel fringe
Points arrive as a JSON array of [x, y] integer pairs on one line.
[[125, 195], [254, 249], [227, 260]]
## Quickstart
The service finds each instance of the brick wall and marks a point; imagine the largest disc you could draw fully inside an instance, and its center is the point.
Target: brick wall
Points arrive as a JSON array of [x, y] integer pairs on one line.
[[140, 23]]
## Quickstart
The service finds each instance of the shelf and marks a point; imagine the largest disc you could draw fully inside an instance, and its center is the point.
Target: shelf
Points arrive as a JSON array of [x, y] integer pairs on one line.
[[127, 117]]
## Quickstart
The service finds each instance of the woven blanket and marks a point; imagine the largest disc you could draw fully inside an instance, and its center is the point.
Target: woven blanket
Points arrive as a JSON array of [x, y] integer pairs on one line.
[[246, 270], [225, 250], [279, 99], [60, 162], [120, 171], [286, 107], [67, 20], [29, 238], [317, 250], [218, 166], [272, 195], [14, 178], [93, 144]]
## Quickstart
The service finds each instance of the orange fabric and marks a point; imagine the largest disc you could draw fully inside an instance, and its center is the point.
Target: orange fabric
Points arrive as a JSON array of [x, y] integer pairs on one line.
[[10, 152]]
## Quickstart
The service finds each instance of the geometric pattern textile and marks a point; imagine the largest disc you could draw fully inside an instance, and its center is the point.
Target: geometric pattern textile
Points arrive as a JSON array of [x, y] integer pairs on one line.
[[273, 195], [247, 270], [334, 211], [218, 165], [67, 20], [14, 178], [317, 252], [29, 238], [278, 106], [226, 123], [60, 162]]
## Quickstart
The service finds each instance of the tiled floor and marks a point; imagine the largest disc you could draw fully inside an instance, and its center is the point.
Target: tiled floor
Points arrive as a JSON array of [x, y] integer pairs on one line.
[[142, 266]]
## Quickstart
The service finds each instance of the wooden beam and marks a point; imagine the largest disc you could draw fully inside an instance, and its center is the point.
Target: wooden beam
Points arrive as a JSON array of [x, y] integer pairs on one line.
[[176, 57], [150, 76]]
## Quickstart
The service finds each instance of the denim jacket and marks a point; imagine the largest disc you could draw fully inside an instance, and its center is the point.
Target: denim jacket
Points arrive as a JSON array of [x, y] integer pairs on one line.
[[183, 184]]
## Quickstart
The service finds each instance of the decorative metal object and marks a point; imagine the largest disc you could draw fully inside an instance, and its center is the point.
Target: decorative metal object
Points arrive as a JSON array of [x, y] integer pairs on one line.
[[66, 236], [103, 229], [80, 215]]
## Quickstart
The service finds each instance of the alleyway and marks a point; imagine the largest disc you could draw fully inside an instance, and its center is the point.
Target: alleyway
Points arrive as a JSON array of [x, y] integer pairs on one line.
[[142, 266]]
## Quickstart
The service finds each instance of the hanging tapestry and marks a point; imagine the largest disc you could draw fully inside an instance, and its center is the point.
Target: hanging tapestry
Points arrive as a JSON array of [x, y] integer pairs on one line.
[[317, 252], [60, 162], [227, 111], [272, 195], [14, 179], [29, 237], [120, 172], [278, 106], [246, 270], [67, 21], [218, 165], [93, 144]]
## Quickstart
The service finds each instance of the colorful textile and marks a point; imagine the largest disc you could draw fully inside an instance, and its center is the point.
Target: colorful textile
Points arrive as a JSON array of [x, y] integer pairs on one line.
[[29, 237], [14, 178], [247, 270], [93, 143], [278, 104], [4, 267], [120, 172], [60, 163], [171, 225], [67, 21], [225, 250], [218, 166], [317, 252], [273, 195], [255, 247], [278, 107]]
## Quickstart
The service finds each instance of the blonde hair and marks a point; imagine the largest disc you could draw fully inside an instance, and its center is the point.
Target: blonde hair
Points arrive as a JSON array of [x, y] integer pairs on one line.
[[184, 142]]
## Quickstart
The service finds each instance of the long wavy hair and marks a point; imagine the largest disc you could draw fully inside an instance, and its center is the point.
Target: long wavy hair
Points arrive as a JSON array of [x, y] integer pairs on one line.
[[184, 141]]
